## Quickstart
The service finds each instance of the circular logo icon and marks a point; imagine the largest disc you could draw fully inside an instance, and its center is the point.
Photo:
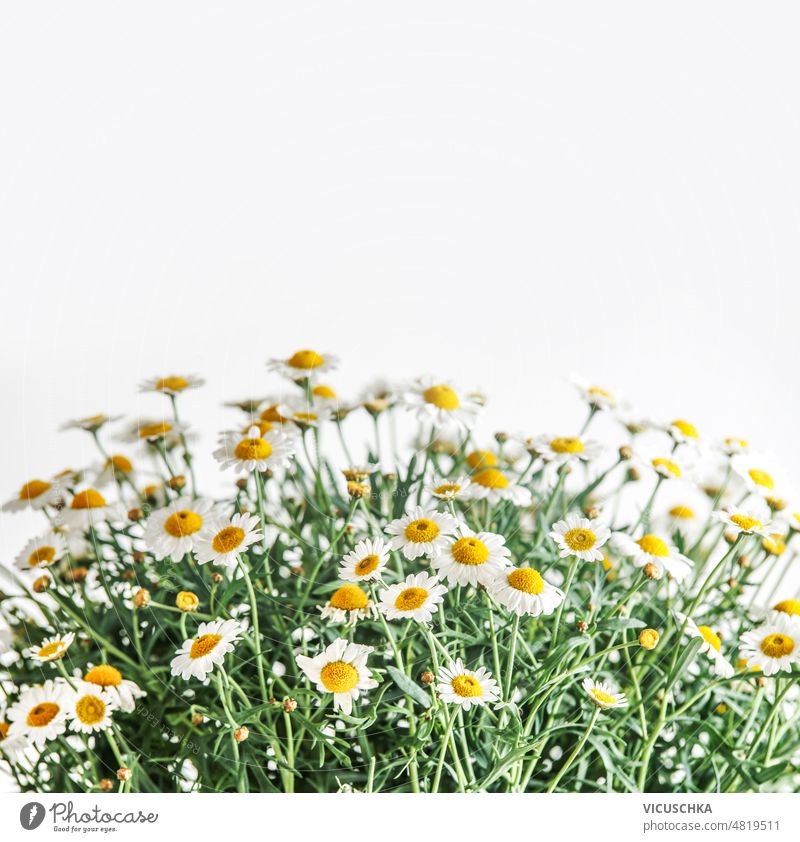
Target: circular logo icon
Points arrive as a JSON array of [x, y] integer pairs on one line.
[[31, 815]]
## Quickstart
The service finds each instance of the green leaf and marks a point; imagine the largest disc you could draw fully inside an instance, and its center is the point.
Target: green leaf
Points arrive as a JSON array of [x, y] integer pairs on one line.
[[685, 659], [409, 687]]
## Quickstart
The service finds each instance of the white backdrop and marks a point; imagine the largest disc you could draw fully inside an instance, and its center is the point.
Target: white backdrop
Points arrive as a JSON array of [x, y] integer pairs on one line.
[[501, 193]]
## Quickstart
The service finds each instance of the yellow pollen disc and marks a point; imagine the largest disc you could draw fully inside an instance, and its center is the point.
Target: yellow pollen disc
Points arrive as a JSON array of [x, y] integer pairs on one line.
[[567, 445], [682, 512], [105, 675], [470, 551], [739, 442], [689, 430], [324, 392], [227, 539], [745, 522], [272, 415], [653, 545], [33, 489], [789, 606], [421, 531], [42, 714], [349, 598], [710, 637], [171, 384], [761, 478], [580, 539], [466, 686], [491, 478], [668, 465], [600, 393], [777, 645], [119, 463], [367, 565], [306, 359], [90, 710], [305, 417], [410, 599], [263, 427], [203, 645], [339, 676], [442, 397], [253, 449], [774, 545], [602, 696], [447, 488], [3, 730], [183, 523], [42, 556], [150, 431], [50, 649], [526, 579], [88, 499], [481, 459]]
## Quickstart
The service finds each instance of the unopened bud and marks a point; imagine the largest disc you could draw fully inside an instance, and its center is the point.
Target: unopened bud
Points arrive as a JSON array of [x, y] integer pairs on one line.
[[129, 575], [427, 677], [241, 484], [177, 482], [501, 438], [141, 599], [198, 719], [582, 626], [41, 584], [106, 785], [358, 490], [124, 774], [76, 574], [135, 514], [139, 557], [633, 475], [648, 638], [761, 681], [187, 601], [733, 583], [744, 562], [216, 578], [241, 734], [290, 705], [591, 512], [721, 708], [626, 452], [653, 570]]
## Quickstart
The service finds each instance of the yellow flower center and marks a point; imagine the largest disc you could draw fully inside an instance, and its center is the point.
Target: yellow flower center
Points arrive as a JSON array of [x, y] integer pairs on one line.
[[602, 696], [187, 601], [491, 478], [466, 686], [50, 649], [349, 598], [33, 489], [42, 714], [228, 539], [470, 551], [734, 441], [306, 359], [367, 565], [601, 393], [42, 555], [527, 580], [653, 545], [254, 449], [410, 599], [339, 676], [774, 545], [422, 530], [777, 645], [171, 384], [4, 726], [761, 478], [272, 415], [668, 465], [447, 488], [151, 431], [324, 392], [789, 606], [263, 427], [88, 499], [119, 463], [710, 637], [203, 645], [442, 397], [682, 512], [567, 445], [90, 710], [105, 675], [305, 417], [580, 539], [689, 430], [746, 522], [183, 523], [481, 459]]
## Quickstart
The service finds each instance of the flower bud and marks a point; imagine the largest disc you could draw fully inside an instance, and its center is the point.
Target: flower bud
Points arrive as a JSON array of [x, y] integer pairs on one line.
[[139, 557], [633, 475], [176, 483], [135, 514], [648, 639], [582, 626], [427, 677], [289, 705], [198, 719], [241, 734], [591, 512], [626, 452], [241, 484], [653, 571], [187, 601], [216, 578], [124, 774], [501, 438], [141, 599], [357, 490], [41, 584], [106, 785]]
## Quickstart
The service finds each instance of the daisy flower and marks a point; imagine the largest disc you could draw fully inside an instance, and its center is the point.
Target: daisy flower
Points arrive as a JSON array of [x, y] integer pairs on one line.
[[602, 694], [304, 364], [596, 397], [223, 540], [524, 590], [417, 598], [378, 396], [683, 432], [681, 518], [121, 692], [36, 494], [494, 486], [114, 469], [325, 394], [563, 450], [755, 474], [667, 467], [472, 558], [14, 746], [41, 552], [750, 521], [254, 451], [153, 430], [89, 709], [653, 549], [365, 562], [172, 531], [340, 669], [580, 537], [711, 646], [460, 686], [732, 446], [421, 532], [40, 712], [773, 646], [480, 459], [91, 423], [790, 607], [440, 404], [449, 489], [88, 508], [52, 648], [172, 385], [200, 654], [348, 604]]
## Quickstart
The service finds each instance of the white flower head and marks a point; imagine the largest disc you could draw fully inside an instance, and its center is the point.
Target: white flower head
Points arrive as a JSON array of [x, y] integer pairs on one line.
[[348, 604], [254, 451], [773, 646], [602, 694], [365, 562], [449, 489], [42, 552], [40, 712], [460, 686], [417, 598], [200, 654], [172, 384], [121, 692], [52, 648], [711, 646], [173, 530], [36, 494], [596, 397], [304, 365], [421, 532], [563, 450], [90, 709], [524, 590], [682, 431], [340, 669], [89, 508], [89, 423], [753, 520], [472, 558], [580, 537], [495, 486], [653, 549], [223, 540], [440, 404]]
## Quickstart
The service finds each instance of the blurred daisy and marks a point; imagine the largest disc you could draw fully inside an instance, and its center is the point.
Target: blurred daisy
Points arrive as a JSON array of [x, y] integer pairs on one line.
[[153, 430], [683, 432], [276, 412], [173, 531], [52, 648], [365, 562], [580, 537], [668, 467], [304, 364], [562, 450], [121, 692], [324, 394], [89, 709], [602, 694], [36, 494], [634, 421], [348, 604], [114, 469], [378, 396], [200, 654], [734, 446], [460, 686], [440, 404], [40, 712], [417, 598], [773, 646], [173, 385], [89, 508], [494, 486], [653, 549], [480, 459], [449, 489], [14, 747], [91, 423], [42, 551], [421, 532], [790, 607], [750, 521], [524, 590], [223, 540], [681, 518], [711, 646], [472, 558], [596, 397], [255, 451], [340, 669]]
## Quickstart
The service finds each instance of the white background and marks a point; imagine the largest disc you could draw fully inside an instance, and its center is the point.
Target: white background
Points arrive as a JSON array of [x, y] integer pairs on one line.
[[503, 193]]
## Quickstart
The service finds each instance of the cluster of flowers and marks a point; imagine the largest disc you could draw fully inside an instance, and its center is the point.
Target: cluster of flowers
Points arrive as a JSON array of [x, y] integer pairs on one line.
[[502, 542]]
